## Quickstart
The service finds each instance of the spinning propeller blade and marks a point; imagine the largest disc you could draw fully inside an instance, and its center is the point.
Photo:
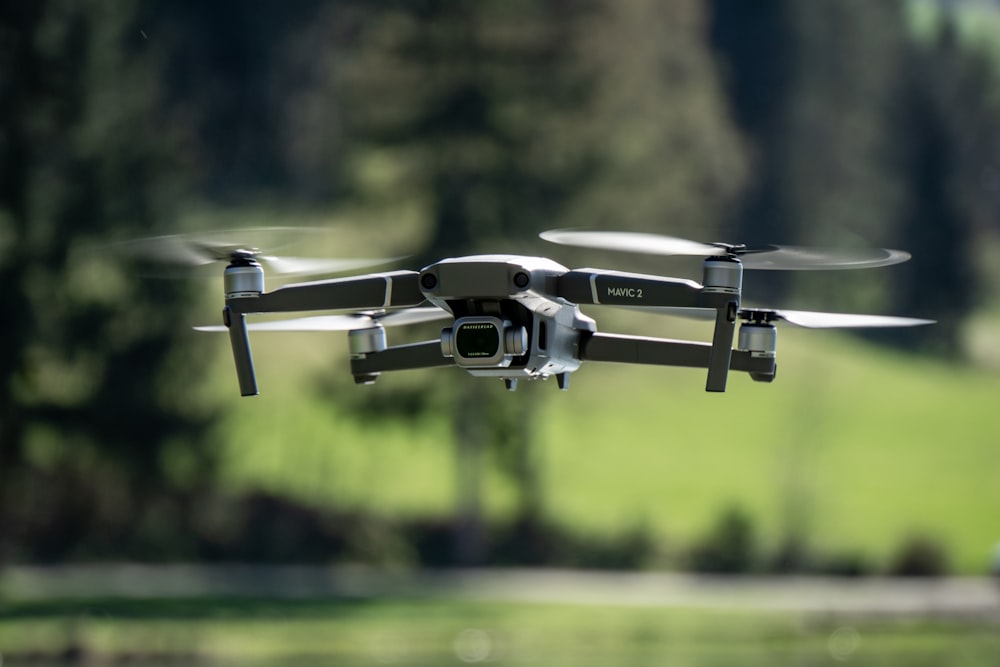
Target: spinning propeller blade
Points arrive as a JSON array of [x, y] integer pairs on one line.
[[200, 249], [769, 257], [398, 318], [807, 319], [798, 258], [363, 320], [651, 244], [314, 265], [816, 320]]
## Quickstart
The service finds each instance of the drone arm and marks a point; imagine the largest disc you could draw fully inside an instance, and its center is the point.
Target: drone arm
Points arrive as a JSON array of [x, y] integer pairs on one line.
[[402, 357], [665, 352], [644, 350], [378, 290], [614, 288], [591, 286], [761, 368]]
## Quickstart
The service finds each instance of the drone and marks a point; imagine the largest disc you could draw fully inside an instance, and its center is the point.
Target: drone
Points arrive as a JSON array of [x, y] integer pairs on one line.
[[517, 317]]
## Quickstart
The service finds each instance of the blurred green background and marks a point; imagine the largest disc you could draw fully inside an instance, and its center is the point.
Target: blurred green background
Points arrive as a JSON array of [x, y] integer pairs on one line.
[[436, 128]]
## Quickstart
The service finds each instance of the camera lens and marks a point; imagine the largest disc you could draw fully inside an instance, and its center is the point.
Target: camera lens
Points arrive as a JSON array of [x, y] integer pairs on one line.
[[475, 340]]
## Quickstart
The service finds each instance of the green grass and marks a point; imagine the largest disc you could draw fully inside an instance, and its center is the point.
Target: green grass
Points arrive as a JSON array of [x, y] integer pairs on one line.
[[858, 446], [853, 446], [441, 631]]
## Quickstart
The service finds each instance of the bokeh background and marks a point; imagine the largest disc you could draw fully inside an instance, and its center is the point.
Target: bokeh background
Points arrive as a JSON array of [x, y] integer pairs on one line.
[[434, 128]]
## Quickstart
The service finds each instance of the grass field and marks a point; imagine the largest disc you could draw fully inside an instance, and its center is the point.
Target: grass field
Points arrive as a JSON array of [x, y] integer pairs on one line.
[[853, 447], [441, 632]]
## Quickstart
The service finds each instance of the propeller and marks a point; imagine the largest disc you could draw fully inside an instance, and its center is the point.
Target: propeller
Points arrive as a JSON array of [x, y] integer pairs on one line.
[[816, 320], [768, 257], [807, 319], [201, 249], [347, 322]]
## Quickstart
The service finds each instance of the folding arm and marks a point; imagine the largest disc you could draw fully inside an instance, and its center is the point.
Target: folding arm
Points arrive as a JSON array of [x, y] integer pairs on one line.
[[400, 358], [614, 288], [378, 290], [644, 350], [665, 352]]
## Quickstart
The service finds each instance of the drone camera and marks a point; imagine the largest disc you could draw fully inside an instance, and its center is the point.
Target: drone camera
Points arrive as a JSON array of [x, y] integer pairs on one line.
[[483, 341]]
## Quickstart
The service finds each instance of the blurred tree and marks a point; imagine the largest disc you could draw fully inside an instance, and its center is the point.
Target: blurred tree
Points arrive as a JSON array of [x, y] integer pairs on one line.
[[861, 135], [948, 139], [729, 547], [232, 79], [503, 119], [478, 99], [488, 121], [812, 86], [667, 155], [98, 419]]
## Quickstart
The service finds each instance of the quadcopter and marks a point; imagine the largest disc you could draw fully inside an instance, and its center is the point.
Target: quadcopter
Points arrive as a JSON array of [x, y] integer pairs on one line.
[[518, 317]]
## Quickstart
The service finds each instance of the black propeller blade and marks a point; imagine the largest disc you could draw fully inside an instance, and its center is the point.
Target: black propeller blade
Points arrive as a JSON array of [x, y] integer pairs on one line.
[[786, 258]]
